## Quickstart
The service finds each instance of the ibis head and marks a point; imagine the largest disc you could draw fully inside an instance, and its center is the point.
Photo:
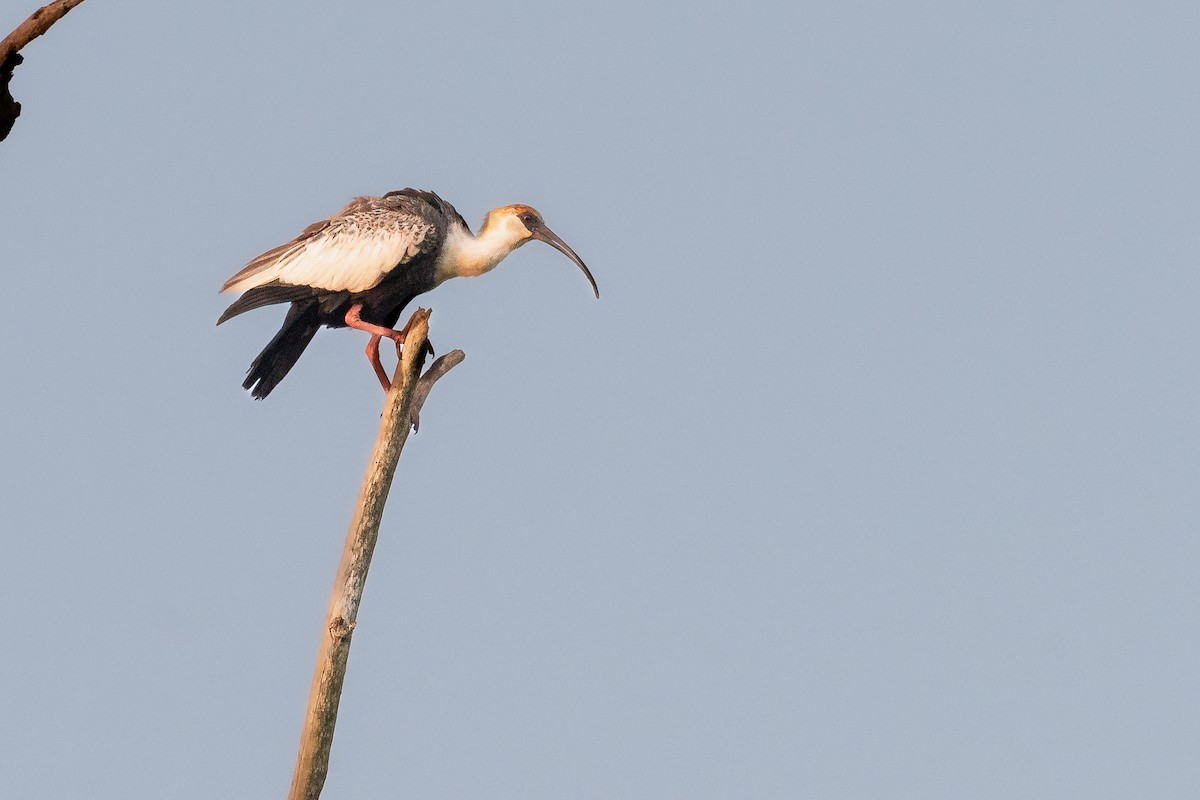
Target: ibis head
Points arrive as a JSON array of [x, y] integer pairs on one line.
[[509, 227]]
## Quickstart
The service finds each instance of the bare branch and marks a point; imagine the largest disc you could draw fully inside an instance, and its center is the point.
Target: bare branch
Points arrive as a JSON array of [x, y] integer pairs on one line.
[[10, 55], [312, 764], [425, 384]]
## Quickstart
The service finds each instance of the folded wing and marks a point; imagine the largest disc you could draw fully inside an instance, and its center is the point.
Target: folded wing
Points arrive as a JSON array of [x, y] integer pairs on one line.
[[350, 252]]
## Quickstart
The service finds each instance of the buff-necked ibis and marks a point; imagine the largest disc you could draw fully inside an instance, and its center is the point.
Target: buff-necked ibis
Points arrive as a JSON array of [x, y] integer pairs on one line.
[[363, 265]]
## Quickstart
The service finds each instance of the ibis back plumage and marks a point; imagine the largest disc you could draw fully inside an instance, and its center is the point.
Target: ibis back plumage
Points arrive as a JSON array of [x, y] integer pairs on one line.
[[363, 265]]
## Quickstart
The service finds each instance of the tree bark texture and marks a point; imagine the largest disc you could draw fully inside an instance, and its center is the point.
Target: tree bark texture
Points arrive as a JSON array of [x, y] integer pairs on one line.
[[402, 407]]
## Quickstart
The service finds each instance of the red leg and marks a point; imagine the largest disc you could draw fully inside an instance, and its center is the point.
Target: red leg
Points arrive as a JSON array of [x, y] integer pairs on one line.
[[373, 357], [355, 321]]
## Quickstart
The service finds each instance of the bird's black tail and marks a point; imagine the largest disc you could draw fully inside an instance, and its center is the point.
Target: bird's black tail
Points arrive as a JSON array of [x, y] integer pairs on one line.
[[281, 353]]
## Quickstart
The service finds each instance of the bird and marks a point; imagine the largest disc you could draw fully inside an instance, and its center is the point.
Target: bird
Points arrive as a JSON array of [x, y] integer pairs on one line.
[[360, 267]]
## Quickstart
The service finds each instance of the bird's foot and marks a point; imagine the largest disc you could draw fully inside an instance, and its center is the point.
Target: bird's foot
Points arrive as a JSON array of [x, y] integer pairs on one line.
[[399, 336], [378, 332]]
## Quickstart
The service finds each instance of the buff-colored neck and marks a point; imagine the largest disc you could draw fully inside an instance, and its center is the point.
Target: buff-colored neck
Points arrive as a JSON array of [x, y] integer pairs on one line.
[[465, 255]]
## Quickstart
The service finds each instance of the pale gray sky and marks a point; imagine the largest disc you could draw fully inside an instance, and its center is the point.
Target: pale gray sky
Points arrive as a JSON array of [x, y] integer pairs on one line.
[[872, 474]]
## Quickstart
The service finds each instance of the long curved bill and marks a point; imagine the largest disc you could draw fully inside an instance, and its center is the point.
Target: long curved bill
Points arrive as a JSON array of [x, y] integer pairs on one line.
[[544, 234]]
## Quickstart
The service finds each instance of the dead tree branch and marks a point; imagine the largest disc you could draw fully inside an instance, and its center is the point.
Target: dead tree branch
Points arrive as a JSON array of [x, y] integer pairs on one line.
[[404, 401], [10, 55]]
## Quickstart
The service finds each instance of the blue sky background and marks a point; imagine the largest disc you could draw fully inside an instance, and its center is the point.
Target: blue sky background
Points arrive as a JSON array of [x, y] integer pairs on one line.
[[872, 474]]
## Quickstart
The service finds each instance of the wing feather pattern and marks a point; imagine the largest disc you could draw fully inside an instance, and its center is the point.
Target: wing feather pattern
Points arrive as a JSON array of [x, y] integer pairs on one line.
[[350, 252]]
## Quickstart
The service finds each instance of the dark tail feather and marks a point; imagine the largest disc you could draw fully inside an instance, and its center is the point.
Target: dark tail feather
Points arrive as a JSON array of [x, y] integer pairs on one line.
[[281, 354], [267, 295]]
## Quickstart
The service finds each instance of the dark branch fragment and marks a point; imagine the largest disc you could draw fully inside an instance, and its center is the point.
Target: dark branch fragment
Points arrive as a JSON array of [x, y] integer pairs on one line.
[[10, 55], [10, 109]]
